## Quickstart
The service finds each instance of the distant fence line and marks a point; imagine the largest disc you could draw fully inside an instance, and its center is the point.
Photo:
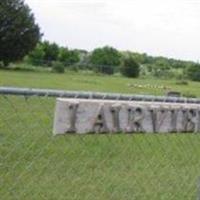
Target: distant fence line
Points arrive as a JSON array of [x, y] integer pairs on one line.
[[93, 95]]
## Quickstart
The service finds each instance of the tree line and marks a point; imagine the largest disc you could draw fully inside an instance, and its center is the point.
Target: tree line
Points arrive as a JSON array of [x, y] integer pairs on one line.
[[108, 60], [21, 40]]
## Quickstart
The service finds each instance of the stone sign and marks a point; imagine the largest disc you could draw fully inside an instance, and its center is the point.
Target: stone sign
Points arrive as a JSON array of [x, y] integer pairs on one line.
[[105, 116]]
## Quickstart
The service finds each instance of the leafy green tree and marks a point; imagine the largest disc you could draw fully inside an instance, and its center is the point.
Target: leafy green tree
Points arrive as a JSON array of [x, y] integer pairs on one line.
[[19, 33], [130, 68], [36, 57], [68, 57], [193, 72], [161, 68], [138, 57], [51, 52], [105, 59]]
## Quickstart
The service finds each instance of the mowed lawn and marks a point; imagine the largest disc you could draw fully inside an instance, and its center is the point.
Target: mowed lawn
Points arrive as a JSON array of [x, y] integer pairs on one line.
[[36, 165], [90, 82]]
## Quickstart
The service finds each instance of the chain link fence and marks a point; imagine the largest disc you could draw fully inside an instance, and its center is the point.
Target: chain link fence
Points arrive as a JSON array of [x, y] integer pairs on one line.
[[34, 164]]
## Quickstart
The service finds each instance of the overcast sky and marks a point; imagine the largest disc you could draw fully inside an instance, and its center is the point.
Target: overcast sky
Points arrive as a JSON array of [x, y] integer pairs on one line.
[[169, 28]]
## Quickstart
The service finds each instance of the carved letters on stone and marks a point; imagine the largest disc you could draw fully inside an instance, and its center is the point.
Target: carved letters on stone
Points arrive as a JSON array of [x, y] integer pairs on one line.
[[197, 127], [135, 118], [72, 116], [174, 117], [115, 118], [158, 117], [104, 116], [99, 124], [189, 120]]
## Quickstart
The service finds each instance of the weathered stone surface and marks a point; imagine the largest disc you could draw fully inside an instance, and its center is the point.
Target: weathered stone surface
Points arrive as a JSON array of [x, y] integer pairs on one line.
[[104, 116]]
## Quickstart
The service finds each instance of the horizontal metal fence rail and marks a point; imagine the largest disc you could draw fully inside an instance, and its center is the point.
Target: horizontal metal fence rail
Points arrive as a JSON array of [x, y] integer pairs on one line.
[[93, 95], [107, 166]]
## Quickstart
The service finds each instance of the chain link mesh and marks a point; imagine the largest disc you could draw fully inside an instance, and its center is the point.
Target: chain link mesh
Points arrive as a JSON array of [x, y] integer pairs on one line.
[[36, 165]]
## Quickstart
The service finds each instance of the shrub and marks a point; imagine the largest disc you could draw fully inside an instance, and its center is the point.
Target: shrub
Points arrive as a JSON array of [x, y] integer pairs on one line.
[[105, 60], [73, 68], [58, 67], [189, 95], [161, 71], [130, 68], [193, 72], [104, 69], [182, 82]]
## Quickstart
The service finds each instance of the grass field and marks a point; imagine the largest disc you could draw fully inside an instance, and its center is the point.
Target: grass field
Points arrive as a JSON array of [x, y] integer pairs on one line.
[[35, 165], [90, 82]]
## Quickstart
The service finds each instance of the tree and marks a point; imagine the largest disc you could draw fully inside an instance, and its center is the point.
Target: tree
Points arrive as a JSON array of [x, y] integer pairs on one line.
[[130, 68], [161, 68], [19, 33], [193, 72], [36, 57], [68, 57], [105, 59], [51, 51]]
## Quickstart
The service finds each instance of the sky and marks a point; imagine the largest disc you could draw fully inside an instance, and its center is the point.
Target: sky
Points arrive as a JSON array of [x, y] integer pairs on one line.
[[168, 28]]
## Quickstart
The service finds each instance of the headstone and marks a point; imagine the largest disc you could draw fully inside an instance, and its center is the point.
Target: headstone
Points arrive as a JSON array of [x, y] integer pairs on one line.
[[173, 94], [105, 116]]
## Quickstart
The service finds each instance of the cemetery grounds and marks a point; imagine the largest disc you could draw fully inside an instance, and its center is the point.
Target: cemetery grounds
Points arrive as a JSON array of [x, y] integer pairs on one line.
[[36, 165]]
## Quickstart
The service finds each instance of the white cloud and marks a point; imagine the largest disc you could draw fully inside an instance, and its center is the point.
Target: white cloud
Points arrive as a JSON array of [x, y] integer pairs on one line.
[[169, 28]]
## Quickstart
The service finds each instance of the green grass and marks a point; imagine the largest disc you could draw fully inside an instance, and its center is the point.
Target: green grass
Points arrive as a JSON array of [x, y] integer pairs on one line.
[[35, 165], [92, 82]]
